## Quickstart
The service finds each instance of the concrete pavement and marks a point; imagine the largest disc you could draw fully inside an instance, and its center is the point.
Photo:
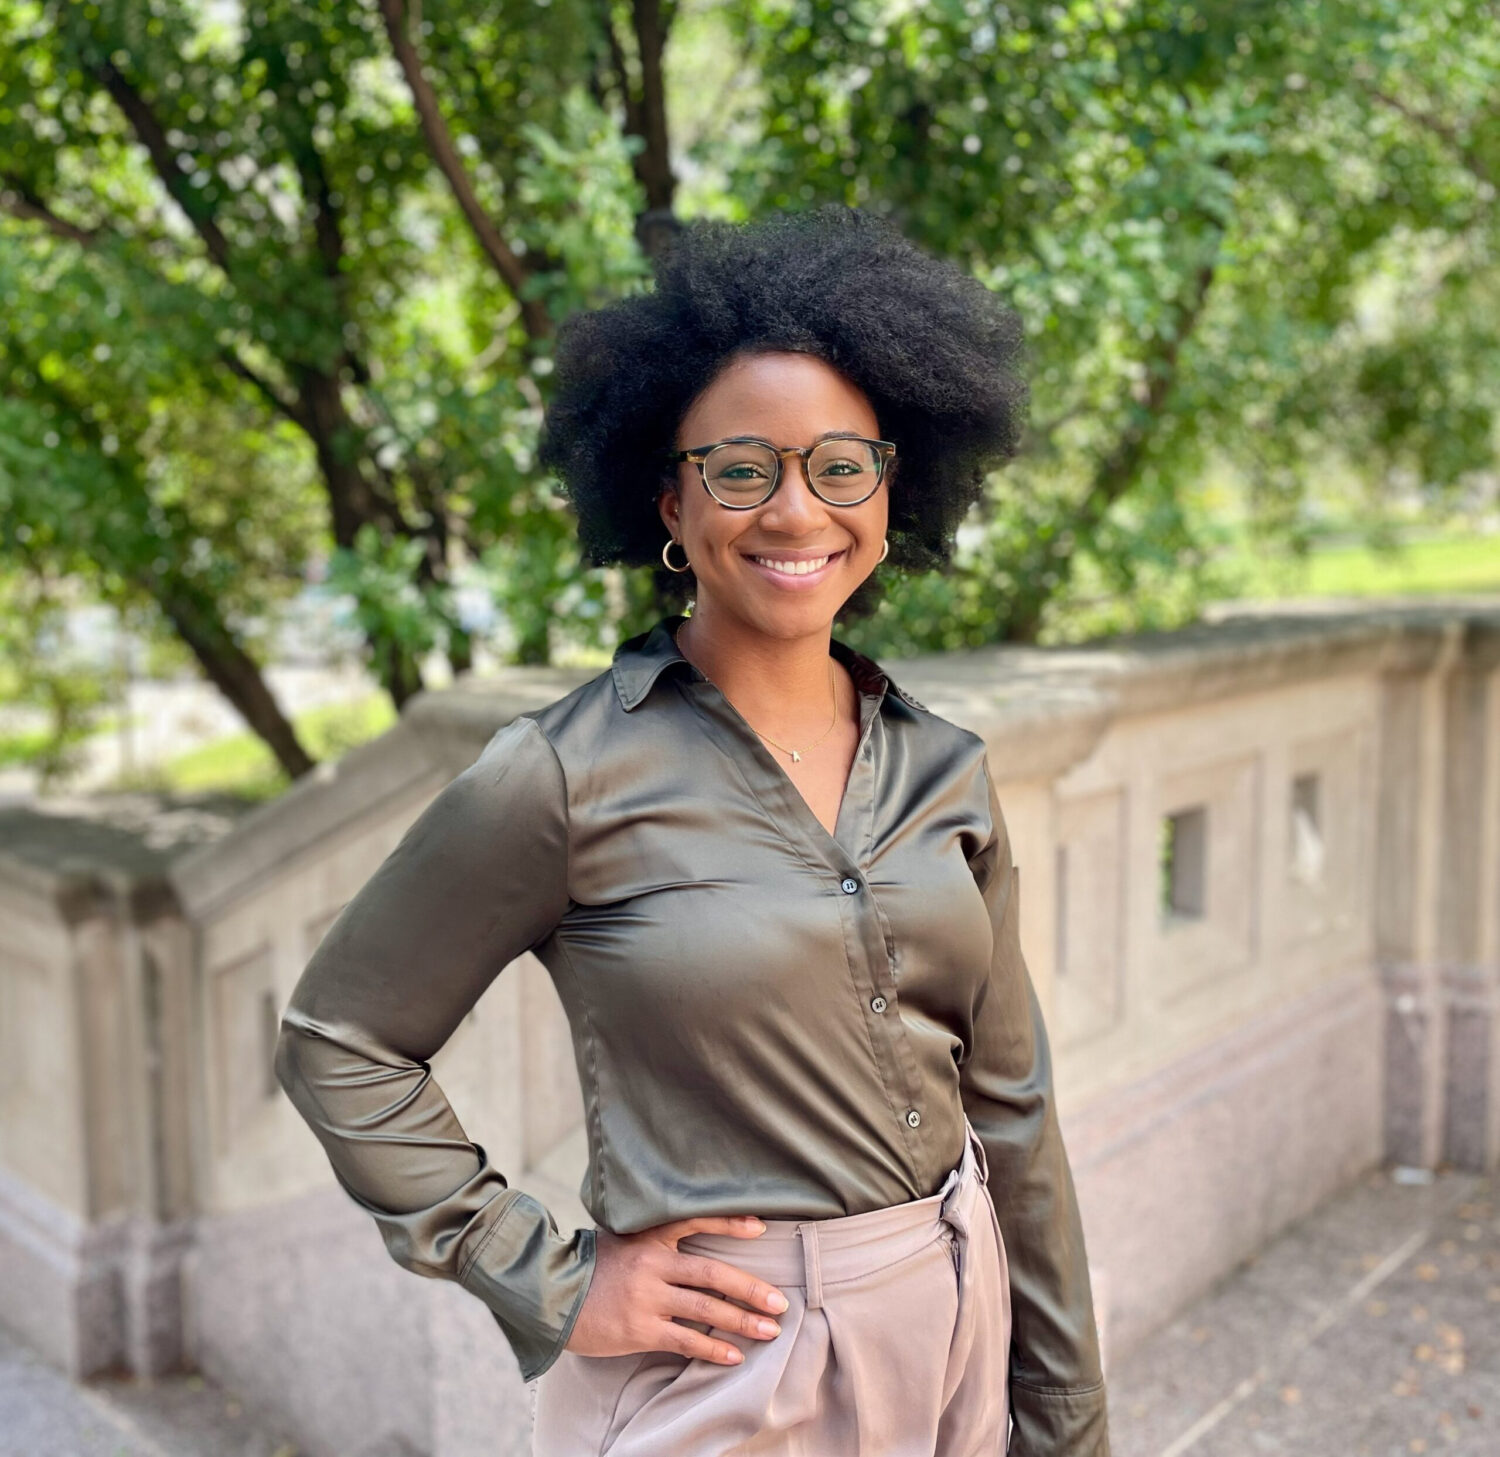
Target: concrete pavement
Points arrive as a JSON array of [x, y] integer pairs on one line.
[[43, 1414], [1371, 1329]]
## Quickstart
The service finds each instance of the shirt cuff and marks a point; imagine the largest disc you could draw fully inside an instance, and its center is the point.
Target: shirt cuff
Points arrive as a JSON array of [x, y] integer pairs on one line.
[[1058, 1421], [533, 1278]]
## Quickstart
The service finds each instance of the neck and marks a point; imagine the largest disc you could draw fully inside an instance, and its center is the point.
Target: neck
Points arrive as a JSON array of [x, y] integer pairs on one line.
[[773, 682]]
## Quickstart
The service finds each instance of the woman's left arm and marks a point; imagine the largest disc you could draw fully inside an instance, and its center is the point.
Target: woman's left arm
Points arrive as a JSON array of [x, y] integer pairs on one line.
[[1056, 1380]]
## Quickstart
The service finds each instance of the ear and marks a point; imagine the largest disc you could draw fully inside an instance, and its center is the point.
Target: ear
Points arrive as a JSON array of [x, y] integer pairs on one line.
[[669, 506]]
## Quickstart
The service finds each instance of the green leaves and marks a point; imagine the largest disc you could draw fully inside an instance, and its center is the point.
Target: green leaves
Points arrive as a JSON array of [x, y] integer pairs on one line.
[[248, 327], [380, 576], [1210, 217]]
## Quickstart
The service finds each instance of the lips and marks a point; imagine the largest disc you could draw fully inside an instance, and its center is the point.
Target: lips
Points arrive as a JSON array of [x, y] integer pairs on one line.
[[794, 566], [794, 571]]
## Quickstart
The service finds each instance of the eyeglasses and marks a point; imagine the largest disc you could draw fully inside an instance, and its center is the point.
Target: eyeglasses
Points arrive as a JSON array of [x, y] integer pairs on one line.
[[744, 471]]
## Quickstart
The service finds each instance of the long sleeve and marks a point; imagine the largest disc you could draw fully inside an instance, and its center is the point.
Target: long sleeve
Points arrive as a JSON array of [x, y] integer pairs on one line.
[[1056, 1380], [478, 878]]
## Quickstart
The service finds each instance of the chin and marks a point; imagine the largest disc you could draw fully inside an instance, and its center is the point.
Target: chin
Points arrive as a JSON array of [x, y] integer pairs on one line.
[[795, 619]]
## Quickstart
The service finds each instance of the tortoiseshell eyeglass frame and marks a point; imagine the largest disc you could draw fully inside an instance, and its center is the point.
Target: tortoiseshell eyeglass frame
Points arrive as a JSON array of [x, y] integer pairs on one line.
[[885, 453]]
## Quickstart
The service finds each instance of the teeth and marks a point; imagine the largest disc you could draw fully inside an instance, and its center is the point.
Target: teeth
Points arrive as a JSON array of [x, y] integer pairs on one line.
[[794, 569]]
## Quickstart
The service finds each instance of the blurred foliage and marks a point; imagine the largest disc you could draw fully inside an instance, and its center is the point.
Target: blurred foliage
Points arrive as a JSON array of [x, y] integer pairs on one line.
[[250, 326], [61, 701], [1261, 234]]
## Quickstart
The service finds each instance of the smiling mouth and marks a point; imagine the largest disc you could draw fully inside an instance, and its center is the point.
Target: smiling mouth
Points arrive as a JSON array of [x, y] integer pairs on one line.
[[792, 568]]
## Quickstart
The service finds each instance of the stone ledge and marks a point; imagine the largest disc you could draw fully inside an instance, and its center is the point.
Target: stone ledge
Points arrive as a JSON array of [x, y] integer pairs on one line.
[[1042, 709]]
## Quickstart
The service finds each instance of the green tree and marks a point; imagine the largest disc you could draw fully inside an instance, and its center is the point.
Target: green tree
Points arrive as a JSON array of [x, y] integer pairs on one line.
[[290, 274], [254, 202], [1193, 206]]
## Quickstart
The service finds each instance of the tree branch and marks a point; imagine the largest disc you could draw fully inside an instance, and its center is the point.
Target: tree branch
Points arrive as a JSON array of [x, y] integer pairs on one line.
[[1443, 131], [279, 402], [227, 665], [505, 261], [655, 170], [150, 133], [646, 118], [1118, 471], [634, 122], [20, 201], [327, 229]]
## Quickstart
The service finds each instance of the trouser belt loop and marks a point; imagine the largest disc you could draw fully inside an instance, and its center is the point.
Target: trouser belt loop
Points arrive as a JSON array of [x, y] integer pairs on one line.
[[813, 1269]]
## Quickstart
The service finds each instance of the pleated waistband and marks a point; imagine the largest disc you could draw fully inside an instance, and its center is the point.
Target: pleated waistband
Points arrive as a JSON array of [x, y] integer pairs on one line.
[[815, 1252]]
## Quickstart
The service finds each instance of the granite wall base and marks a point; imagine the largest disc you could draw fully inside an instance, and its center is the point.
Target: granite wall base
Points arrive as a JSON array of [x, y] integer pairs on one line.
[[91, 1298], [300, 1310], [1187, 1173]]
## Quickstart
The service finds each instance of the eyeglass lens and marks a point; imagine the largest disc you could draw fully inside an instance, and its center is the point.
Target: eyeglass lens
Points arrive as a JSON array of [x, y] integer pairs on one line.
[[741, 473]]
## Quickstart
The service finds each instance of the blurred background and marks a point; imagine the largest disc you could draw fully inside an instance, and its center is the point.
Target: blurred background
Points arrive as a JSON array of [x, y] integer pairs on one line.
[[279, 284]]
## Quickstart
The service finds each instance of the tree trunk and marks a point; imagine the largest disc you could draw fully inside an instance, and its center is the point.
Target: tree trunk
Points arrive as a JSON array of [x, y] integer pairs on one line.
[[399, 672], [460, 653], [231, 670], [353, 502]]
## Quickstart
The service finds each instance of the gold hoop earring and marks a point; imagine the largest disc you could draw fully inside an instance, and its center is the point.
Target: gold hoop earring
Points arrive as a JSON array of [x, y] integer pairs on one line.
[[885, 547], [667, 546]]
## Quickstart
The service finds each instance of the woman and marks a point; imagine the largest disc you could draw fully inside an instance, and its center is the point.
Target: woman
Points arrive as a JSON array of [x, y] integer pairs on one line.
[[833, 1209]]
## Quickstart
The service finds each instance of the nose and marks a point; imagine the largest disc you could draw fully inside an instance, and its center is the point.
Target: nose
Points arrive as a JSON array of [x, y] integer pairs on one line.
[[794, 510]]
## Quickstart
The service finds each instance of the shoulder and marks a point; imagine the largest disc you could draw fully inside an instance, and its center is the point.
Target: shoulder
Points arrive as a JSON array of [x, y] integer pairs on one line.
[[963, 749], [578, 724], [518, 769], [904, 710]]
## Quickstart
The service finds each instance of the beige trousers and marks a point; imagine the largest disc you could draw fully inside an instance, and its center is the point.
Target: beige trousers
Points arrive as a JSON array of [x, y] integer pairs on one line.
[[895, 1343]]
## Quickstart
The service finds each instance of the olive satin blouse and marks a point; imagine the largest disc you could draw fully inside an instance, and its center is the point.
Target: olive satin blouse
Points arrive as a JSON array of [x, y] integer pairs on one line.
[[766, 1018]]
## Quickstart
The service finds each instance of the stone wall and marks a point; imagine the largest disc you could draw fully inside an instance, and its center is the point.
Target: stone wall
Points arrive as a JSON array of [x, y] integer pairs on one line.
[[1260, 863]]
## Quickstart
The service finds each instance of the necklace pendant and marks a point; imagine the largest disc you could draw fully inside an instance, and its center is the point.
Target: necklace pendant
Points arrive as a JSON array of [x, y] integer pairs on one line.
[[796, 757]]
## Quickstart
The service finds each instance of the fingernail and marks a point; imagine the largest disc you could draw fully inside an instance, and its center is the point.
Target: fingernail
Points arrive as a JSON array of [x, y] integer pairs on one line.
[[776, 1300], [735, 1355], [754, 1223], [768, 1327]]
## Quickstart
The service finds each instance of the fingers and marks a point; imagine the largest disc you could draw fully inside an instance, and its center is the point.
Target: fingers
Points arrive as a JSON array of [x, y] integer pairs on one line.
[[729, 1280], [689, 1342], [709, 1309], [745, 1226]]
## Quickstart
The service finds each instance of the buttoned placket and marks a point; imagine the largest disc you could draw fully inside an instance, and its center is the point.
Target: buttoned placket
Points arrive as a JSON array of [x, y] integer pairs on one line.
[[841, 859]]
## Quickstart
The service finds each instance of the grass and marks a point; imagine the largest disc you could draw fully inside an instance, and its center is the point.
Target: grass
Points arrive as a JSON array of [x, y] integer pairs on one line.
[[242, 764], [25, 748], [1423, 566]]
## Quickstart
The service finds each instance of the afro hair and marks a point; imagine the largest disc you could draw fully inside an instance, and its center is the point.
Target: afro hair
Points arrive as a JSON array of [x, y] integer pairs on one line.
[[937, 354]]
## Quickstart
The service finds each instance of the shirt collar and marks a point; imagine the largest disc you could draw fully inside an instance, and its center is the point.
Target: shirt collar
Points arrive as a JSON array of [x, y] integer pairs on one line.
[[639, 661]]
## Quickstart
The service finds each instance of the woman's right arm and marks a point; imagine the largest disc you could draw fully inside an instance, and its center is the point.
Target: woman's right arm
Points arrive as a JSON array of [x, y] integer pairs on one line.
[[480, 877]]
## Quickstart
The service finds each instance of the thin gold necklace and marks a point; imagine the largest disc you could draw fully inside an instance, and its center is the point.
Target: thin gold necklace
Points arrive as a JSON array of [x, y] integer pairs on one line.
[[785, 749]]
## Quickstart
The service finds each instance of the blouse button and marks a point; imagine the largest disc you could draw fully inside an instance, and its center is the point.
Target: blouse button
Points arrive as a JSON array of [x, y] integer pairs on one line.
[[848, 885], [913, 1117], [878, 1004]]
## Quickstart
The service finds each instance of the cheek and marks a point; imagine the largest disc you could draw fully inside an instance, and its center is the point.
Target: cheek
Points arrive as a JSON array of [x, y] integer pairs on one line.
[[872, 528], [715, 542]]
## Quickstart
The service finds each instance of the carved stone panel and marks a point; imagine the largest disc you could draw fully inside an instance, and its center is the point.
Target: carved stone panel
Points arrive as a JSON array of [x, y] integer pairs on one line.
[[1206, 893], [244, 1010], [1089, 943], [1322, 856]]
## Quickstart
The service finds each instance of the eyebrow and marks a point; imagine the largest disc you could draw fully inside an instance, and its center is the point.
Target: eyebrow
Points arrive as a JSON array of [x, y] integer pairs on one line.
[[817, 439]]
